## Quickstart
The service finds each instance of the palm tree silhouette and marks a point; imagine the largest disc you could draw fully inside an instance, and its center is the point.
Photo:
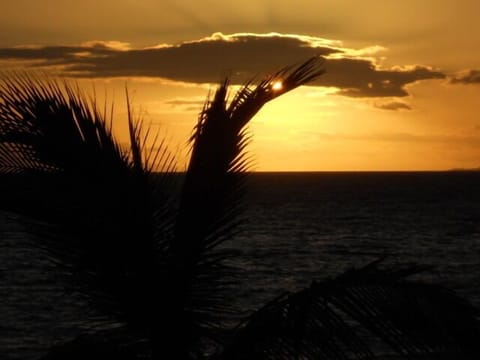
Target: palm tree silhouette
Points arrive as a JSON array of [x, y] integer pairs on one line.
[[151, 261]]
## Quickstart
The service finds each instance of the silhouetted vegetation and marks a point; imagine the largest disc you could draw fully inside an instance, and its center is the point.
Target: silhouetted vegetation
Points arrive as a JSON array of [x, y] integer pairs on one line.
[[152, 263]]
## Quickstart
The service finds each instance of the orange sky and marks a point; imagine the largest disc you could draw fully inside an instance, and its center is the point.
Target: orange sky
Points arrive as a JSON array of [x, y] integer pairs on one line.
[[401, 90]]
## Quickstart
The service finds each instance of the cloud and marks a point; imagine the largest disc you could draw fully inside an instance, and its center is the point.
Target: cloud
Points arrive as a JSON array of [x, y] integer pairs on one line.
[[395, 137], [394, 105], [239, 56], [466, 77], [183, 102]]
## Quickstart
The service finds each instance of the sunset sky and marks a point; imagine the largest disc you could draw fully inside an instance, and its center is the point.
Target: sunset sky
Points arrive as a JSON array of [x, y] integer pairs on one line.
[[401, 89]]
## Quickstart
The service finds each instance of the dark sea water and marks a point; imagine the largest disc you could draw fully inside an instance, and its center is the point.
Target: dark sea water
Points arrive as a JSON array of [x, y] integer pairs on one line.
[[301, 227]]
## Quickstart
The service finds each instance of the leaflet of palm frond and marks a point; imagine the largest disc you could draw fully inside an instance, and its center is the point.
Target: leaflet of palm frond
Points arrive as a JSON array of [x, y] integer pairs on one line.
[[78, 180], [362, 314], [210, 208], [117, 343]]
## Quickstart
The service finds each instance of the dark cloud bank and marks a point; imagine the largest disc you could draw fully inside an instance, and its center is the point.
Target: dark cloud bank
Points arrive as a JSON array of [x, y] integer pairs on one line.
[[239, 56]]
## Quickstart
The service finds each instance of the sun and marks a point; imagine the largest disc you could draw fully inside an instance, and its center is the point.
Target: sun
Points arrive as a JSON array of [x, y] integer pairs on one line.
[[277, 85]]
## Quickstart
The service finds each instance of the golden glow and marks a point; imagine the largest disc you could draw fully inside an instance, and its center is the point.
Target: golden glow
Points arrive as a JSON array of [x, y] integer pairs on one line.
[[315, 129], [309, 128], [277, 86]]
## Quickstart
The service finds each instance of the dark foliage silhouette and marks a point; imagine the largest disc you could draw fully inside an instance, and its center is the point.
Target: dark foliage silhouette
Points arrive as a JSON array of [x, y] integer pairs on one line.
[[152, 263]]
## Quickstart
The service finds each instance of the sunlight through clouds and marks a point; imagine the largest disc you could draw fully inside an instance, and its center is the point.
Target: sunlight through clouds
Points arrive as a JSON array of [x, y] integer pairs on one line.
[[408, 67]]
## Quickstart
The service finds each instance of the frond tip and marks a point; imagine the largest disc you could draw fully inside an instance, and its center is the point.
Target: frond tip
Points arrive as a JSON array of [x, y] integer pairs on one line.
[[248, 101]]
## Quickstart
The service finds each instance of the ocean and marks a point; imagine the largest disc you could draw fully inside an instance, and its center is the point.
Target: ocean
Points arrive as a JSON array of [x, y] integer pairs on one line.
[[300, 227]]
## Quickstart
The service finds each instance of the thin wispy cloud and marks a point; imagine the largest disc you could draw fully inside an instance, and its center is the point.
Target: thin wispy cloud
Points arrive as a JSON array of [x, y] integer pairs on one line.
[[186, 104], [393, 106], [401, 137], [466, 77], [183, 102], [354, 72]]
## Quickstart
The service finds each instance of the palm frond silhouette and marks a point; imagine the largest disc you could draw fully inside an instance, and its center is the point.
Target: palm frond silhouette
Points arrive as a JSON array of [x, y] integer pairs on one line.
[[152, 263]]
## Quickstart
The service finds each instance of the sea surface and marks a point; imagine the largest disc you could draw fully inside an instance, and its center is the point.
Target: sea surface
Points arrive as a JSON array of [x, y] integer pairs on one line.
[[301, 227]]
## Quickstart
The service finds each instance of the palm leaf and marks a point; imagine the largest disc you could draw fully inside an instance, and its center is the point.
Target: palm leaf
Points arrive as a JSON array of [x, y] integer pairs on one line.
[[110, 225], [105, 224], [61, 164], [363, 314], [210, 207]]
